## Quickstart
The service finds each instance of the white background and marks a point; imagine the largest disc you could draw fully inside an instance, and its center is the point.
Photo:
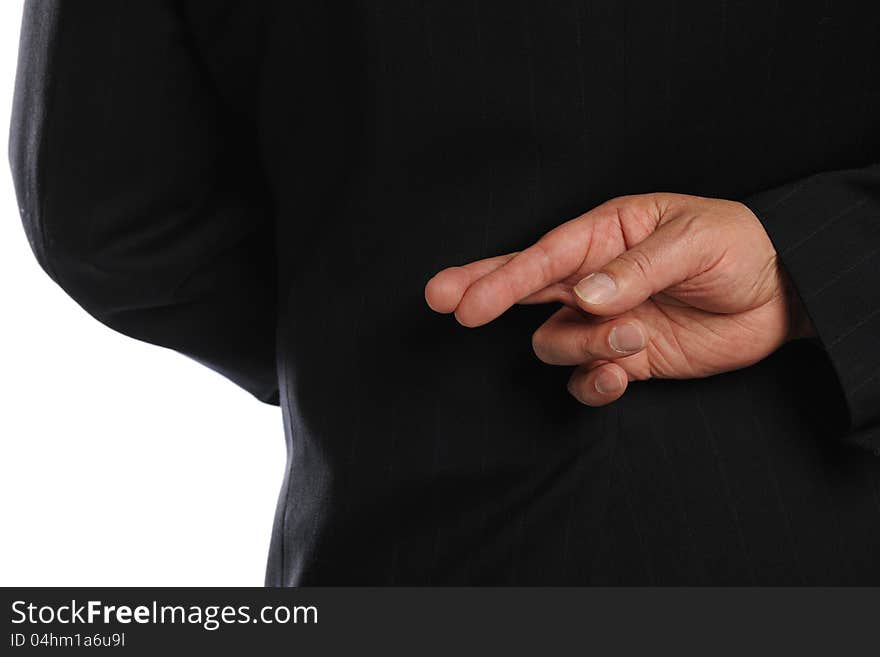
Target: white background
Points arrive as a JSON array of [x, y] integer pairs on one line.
[[120, 463]]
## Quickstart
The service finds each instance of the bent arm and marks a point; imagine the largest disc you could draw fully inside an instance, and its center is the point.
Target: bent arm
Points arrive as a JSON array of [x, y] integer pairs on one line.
[[138, 193]]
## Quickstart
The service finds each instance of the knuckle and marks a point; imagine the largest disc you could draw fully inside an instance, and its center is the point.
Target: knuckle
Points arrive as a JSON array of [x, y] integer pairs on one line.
[[613, 202], [585, 345], [620, 206], [637, 262], [544, 261], [700, 233], [698, 224]]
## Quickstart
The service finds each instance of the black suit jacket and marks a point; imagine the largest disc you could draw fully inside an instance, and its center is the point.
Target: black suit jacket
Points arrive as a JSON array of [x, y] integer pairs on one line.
[[267, 186]]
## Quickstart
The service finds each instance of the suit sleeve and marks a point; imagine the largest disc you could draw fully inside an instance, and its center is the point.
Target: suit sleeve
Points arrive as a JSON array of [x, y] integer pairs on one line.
[[139, 193], [826, 230]]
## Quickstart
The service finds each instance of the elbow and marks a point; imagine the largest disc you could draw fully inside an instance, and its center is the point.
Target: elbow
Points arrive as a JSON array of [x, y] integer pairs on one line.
[[58, 240], [101, 279]]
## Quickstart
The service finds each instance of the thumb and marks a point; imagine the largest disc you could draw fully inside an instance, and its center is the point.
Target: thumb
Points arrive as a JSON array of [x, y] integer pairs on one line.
[[670, 255]]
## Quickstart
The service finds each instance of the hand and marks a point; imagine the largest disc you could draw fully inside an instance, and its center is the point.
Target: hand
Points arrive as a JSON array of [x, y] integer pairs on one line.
[[654, 285]]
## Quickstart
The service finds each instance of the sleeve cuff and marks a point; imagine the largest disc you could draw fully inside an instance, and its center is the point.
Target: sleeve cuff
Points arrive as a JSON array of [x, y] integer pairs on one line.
[[826, 231]]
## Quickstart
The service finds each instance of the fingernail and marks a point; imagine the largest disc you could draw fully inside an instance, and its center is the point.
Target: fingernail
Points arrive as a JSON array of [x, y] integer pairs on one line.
[[606, 383], [627, 338], [596, 288]]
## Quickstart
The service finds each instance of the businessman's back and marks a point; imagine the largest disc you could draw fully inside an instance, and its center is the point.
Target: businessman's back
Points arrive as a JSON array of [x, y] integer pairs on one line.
[[267, 187]]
